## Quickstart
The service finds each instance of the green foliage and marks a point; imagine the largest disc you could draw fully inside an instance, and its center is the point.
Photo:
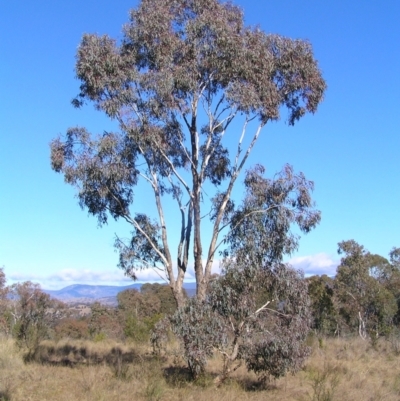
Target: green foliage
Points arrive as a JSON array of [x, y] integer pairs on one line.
[[164, 294], [269, 337], [389, 277], [140, 311], [140, 330], [160, 335], [132, 302], [323, 306], [2, 281], [364, 296], [99, 337], [260, 229], [199, 331], [258, 310], [365, 303]]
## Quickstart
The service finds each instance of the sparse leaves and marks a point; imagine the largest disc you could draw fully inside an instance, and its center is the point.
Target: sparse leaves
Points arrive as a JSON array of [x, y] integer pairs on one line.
[[260, 228]]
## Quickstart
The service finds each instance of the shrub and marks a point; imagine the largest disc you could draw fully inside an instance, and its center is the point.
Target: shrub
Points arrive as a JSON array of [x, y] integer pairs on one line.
[[260, 317], [72, 328]]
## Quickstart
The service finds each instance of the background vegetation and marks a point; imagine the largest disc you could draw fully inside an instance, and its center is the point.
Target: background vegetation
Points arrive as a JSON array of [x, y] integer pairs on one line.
[[50, 352]]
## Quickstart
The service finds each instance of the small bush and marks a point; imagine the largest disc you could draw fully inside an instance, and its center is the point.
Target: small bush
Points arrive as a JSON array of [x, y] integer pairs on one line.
[[259, 317], [324, 383], [99, 337]]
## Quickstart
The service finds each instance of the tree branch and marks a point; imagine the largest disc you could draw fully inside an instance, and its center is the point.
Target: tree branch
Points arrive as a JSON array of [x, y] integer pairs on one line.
[[211, 251]]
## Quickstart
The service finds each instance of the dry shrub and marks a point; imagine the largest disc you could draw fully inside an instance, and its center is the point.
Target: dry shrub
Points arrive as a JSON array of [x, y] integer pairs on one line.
[[324, 383], [72, 328]]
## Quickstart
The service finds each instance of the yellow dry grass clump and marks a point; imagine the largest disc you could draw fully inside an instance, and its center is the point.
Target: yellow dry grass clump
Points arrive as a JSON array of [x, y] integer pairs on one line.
[[338, 369]]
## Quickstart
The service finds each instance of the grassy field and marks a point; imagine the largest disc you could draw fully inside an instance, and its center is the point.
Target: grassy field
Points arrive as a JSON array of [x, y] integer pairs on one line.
[[337, 370]]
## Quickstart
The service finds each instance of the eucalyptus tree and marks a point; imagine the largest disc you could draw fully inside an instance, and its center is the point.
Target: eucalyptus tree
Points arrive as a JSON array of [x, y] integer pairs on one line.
[[388, 275], [33, 315], [323, 306], [364, 299], [191, 88], [258, 311]]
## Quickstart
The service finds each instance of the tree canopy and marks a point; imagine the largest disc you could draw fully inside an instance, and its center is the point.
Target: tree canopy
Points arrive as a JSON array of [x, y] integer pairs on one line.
[[182, 74]]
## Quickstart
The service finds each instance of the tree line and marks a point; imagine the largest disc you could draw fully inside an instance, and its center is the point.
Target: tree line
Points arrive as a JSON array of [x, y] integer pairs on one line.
[[363, 297]]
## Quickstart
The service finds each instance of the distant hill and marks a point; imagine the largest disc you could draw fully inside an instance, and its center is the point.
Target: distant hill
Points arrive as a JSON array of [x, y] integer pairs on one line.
[[103, 293], [89, 291]]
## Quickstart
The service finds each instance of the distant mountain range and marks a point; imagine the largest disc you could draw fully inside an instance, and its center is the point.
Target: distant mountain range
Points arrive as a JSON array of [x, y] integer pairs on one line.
[[103, 293]]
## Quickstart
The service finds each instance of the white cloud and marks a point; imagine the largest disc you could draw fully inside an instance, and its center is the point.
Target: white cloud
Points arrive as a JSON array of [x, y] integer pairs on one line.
[[147, 275], [67, 277], [320, 263], [87, 275]]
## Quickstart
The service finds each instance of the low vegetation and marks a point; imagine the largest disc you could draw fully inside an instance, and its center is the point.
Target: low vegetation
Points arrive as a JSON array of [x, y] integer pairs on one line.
[[260, 333], [338, 369]]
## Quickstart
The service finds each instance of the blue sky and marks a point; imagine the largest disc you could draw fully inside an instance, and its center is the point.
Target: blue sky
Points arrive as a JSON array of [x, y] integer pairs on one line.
[[349, 148]]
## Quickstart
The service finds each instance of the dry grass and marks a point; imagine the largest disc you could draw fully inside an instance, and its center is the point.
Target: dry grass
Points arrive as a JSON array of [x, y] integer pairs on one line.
[[83, 352], [337, 370]]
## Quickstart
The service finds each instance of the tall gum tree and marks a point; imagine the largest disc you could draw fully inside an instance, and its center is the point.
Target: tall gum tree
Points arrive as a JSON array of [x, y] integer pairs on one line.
[[184, 71]]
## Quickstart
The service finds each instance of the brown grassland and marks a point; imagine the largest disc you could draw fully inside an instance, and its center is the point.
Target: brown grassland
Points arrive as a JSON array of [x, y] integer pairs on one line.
[[337, 369]]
